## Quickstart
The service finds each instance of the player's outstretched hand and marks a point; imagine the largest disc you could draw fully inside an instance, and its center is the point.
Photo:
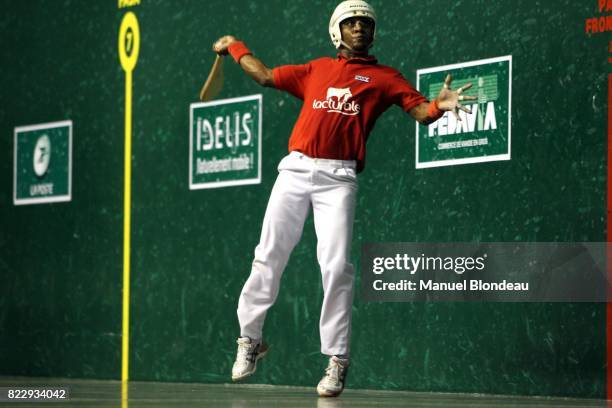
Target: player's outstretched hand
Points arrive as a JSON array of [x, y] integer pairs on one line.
[[220, 46], [450, 100]]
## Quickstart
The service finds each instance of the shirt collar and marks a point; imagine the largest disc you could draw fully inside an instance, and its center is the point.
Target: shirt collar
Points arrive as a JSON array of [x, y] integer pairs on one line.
[[370, 59]]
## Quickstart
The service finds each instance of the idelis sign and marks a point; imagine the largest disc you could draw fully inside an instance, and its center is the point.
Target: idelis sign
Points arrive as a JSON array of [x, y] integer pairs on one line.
[[225, 142], [43, 163], [480, 136]]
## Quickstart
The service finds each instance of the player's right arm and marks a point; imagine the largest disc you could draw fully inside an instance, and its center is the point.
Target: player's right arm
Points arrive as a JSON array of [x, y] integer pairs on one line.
[[250, 64]]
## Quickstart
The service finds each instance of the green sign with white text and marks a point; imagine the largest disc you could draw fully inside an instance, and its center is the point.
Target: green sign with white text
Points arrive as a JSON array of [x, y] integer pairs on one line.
[[479, 136], [225, 143], [43, 163]]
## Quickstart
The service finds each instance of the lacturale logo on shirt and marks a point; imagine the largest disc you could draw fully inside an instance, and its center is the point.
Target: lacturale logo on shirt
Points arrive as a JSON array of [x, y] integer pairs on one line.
[[337, 101]]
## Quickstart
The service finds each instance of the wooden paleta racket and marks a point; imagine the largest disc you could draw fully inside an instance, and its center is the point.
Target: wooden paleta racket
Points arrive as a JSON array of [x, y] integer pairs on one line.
[[214, 82]]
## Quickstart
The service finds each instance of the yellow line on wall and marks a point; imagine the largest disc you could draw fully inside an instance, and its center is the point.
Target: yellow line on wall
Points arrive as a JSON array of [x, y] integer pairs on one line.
[[127, 217], [129, 46]]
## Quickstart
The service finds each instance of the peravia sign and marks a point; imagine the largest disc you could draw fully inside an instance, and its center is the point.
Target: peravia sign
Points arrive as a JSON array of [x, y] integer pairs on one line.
[[480, 136], [43, 163], [225, 143]]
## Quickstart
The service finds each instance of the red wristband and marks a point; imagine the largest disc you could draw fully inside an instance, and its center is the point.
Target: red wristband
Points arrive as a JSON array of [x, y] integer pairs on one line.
[[433, 111], [238, 50]]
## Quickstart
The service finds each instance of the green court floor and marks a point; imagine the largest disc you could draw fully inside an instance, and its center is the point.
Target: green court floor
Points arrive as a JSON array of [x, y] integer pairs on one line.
[[90, 393]]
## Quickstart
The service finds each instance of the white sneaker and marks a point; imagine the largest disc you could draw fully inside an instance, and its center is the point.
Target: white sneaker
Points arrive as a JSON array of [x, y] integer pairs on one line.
[[332, 383], [246, 358]]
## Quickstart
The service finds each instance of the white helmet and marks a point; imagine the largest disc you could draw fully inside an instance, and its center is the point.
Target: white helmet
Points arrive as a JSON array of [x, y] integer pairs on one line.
[[348, 9]]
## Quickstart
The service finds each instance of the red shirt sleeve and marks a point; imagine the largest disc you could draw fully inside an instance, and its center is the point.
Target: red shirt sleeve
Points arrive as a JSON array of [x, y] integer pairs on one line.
[[292, 78], [403, 94]]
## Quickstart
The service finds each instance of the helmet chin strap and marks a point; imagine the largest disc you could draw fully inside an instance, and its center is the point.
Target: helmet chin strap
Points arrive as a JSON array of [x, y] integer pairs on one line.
[[346, 45], [352, 50]]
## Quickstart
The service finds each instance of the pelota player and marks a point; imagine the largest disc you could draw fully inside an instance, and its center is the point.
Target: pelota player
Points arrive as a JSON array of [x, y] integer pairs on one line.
[[343, 97]]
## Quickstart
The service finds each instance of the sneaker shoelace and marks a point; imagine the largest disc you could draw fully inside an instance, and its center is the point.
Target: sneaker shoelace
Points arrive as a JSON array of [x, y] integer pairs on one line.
[[246, 351], [332, 373]]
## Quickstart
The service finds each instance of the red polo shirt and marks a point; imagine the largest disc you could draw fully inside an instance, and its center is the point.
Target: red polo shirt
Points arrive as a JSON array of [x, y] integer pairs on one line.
[[343, 98]]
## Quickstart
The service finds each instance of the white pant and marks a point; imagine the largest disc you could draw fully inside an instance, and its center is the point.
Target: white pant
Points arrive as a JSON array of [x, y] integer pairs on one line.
[[330, 186]]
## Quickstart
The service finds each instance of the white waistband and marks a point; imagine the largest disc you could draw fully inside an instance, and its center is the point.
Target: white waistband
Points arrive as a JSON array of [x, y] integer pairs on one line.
[[325, 162]]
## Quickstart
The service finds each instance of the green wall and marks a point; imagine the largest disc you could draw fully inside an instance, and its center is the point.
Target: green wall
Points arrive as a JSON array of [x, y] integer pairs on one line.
[[61, 264]]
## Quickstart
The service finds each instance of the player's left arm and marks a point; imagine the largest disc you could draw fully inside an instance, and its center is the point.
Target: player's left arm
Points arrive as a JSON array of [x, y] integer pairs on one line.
[[447, 100]]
